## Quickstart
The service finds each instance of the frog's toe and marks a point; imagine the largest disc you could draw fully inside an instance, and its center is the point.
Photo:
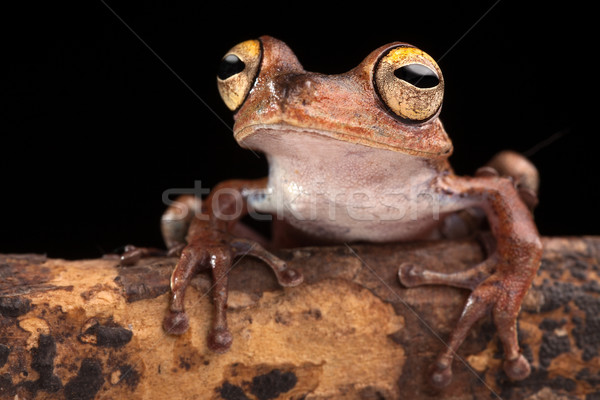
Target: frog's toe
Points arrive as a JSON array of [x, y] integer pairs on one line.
[[220, 340], [132, 254], [441, 375], [410, 275], [290, 278], [176, 323], [176, 250], [517, 369]]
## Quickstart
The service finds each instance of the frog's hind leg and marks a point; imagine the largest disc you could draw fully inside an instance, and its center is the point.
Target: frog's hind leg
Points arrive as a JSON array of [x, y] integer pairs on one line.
[[487, 294], [499, 283]]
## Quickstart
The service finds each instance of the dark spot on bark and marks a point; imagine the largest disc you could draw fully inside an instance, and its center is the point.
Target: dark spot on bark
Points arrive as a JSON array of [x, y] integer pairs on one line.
[[578, 274], [562, 383], [591, 286], [7, 389], [549, 324], [206, 362], [587, 333], [4, 352], [555, 274], [145, 281], [370, 393], [271, 385], [590, 378], [552, 346], [110, 335], [130, 376], [42, 361], [14, 306], [282, 319], [231, 392], [183, 363], [574, 262], [87, 383], [315, 313], [556, 295]]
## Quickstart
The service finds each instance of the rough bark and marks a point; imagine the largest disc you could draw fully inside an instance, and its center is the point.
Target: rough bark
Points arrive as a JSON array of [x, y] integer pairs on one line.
[[91, 329]]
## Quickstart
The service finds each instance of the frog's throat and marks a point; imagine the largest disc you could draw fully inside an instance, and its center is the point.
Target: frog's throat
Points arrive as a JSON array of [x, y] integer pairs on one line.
[[249, 137]]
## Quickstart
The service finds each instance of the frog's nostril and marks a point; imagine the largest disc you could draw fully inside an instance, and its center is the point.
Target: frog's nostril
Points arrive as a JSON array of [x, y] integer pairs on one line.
[[292, 88]]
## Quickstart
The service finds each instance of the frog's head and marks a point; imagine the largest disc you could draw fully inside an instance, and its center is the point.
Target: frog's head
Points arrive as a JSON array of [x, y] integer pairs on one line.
[[390, 101]]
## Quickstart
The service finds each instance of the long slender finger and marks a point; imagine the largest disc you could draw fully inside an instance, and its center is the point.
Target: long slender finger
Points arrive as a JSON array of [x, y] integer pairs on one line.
[[286, 277], [412, 275]]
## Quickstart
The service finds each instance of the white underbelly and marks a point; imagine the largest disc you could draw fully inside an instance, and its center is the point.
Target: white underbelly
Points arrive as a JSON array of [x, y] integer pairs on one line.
[[373, 212], [346, 192]]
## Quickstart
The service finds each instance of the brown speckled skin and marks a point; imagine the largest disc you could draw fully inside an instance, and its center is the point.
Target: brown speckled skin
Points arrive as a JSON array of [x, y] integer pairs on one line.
[[344, 113]]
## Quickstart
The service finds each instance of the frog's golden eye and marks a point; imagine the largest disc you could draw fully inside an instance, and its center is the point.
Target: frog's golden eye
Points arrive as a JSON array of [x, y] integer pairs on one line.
[[410, 83], [237, 72]]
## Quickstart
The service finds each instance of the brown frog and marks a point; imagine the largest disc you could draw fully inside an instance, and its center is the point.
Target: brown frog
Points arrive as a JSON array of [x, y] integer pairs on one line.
[[359, 156]]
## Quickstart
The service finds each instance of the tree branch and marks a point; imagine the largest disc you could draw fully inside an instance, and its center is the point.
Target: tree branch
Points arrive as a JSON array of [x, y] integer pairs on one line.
[[91, 329]]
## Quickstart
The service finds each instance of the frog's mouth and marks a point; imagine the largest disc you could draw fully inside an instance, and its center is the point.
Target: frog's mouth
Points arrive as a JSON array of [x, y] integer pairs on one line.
[[272, 138]]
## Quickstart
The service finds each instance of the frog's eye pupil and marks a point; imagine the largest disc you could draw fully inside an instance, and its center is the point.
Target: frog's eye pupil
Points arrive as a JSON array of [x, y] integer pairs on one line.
[[418, 75], [230, 65]]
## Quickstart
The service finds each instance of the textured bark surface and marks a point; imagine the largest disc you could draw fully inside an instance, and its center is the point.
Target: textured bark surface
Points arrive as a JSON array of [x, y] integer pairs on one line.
[[91, 329]]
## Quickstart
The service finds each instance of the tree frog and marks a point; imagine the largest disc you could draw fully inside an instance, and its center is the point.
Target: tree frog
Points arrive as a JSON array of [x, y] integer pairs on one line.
[[357, 156]]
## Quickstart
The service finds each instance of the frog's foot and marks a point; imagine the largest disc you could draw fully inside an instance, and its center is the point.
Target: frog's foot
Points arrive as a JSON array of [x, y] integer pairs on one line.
[[491, 290], [217, 256], [196, 256]]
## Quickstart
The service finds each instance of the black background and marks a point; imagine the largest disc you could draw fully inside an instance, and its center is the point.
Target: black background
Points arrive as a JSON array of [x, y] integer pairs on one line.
[[95, 127]]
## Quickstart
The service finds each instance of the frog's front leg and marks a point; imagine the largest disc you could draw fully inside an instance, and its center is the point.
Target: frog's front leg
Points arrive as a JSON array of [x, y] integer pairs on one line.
[[499, 283], [211, 245]]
